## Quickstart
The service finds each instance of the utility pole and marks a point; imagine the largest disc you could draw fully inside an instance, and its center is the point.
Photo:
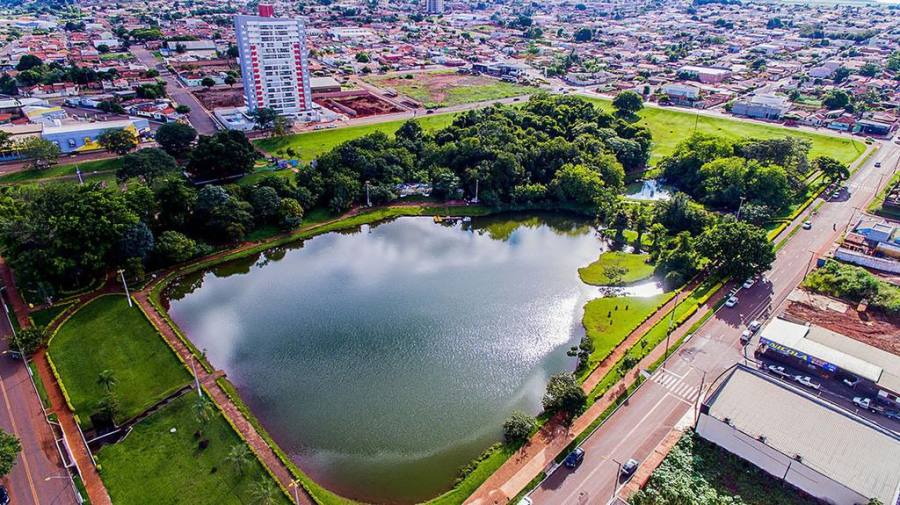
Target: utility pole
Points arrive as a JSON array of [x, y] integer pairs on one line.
[[699, 399], [127, 294], [196, 379], [80, 178], [368, 201], [740, 206], [294, 484], [616, 482], [669, 331]]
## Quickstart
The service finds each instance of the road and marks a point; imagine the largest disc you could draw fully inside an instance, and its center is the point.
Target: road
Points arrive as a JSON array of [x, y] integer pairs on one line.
[[200, 118], [38, 478], [671, 394]]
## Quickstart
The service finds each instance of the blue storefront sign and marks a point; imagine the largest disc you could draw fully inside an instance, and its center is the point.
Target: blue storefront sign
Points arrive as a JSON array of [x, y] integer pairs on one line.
[[787, 351]]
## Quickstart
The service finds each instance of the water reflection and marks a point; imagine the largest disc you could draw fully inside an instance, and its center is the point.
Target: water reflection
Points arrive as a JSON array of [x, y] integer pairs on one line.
[[643, 289], [384, 358]]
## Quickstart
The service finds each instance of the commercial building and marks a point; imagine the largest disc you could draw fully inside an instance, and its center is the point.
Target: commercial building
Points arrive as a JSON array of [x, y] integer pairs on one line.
[[706, 75], [831, 355], [762, 107], [827, 452], [274, 64], [72, 137], [434, 6]]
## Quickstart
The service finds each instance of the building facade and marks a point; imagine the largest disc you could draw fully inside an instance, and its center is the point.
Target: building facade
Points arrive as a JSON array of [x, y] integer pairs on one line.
[[434, 6], [274, 63]]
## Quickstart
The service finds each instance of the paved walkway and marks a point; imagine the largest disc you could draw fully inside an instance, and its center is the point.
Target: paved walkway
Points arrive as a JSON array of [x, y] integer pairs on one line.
[[229, 409], [539, 454], [80, 453]]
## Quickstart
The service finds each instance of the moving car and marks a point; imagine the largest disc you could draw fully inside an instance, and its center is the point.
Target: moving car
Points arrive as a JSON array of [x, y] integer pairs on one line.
[[779, 371], [749, 283], [574, 458], [807, 225], [806, 381], [877, 164], [731, 302], [629, 467]]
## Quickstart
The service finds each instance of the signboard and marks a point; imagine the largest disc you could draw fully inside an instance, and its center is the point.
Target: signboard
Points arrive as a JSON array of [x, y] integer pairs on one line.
[[787, 351]]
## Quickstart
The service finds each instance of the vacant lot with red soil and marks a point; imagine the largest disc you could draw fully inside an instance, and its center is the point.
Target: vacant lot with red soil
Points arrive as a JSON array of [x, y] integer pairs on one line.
[[220, 97], [870, 327], [446, 88]]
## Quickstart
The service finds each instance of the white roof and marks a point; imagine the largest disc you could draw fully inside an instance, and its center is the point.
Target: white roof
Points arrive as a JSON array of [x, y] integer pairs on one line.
[[794, 335], [833, 442], [99, 125]]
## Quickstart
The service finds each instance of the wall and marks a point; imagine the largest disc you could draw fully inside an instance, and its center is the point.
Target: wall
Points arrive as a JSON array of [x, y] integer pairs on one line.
[[776, 463], [856, 258]]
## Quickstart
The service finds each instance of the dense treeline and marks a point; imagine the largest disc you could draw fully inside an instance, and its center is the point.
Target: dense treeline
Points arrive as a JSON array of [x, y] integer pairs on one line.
[[553, 149]]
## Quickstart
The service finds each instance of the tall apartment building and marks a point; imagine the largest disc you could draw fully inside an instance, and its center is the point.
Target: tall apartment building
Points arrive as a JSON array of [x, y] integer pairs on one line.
[[434, 6], [274, 63]]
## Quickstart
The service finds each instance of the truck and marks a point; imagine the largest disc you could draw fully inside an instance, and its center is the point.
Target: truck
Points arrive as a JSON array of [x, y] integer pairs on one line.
[[868, 404]]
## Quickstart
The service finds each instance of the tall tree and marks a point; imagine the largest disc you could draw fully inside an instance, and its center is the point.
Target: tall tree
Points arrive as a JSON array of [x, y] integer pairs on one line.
[[176, 138], [225, 154], [10, 447], [39, 152], [149, 163], [120, 141], [627, 103], [739, 249]]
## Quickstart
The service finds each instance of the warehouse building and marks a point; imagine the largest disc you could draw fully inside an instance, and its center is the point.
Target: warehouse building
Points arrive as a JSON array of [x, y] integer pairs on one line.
[[829, 453]]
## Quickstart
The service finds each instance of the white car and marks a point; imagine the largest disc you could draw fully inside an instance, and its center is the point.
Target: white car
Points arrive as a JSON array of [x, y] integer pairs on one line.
[[807, 225], [731, 302], [746, 335], [779, 371], [806, 381], [754, 326], [749, 283]]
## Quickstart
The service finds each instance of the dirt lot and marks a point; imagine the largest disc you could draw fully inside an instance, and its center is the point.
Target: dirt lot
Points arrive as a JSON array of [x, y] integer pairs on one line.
[[357, 103], [220, 97], [870, 327], [447, 88]]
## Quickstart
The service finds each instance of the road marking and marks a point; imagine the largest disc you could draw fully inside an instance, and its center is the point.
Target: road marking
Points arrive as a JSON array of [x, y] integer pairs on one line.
[[16, 432], [679, 388]]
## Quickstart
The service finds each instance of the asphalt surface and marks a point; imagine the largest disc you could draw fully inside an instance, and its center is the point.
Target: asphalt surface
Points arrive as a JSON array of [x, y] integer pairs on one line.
[[672, 393], [199, 117], [38, 477]]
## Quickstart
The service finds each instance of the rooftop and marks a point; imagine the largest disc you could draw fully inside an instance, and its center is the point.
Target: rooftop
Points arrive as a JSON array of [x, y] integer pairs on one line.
[[835, 443]]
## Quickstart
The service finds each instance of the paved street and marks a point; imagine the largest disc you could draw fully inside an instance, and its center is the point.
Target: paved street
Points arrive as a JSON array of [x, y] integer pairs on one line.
[[33, 479], [636, 429], [200, 118]]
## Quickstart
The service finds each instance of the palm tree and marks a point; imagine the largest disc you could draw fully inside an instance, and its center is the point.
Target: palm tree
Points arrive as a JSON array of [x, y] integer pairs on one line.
[[264, 493], [239, 456], [203, 411], [107, 379]]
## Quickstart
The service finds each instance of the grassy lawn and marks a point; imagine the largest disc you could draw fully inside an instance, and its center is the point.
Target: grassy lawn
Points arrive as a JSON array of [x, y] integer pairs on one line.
[[607, 321], [107, 334], [87, 167], [698, 471], [635, 267], [446, 88], [44, 317], [669, 127], [171, 468], [311, 145], [472, 481]]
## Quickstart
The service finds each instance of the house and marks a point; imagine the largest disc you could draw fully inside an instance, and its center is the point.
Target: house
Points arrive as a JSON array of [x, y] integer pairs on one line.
[[762, 107], [681, 94], [872, 127], [843, 123], [706, 75]]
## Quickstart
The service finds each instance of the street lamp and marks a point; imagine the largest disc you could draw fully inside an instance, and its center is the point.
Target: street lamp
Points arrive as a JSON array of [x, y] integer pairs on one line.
[[368, 201], [295, 484], [125, 284], [740, 206], [616, 481]]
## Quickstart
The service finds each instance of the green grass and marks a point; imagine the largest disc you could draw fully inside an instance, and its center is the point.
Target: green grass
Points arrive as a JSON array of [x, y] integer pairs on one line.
[[635, 267], [46, 316], [107, 334], [433, 94], [311, 145], [108, 165], [476, 478], [115, 56], [39, 385], [152, 462], [669, 127], [607, 321], [696, 470]]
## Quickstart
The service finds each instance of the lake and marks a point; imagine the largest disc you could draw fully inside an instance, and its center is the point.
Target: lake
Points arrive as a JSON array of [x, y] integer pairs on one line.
[[384, 358]]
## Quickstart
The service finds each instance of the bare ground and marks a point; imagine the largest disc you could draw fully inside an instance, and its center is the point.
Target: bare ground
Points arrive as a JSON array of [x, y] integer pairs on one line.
[[871, 327]]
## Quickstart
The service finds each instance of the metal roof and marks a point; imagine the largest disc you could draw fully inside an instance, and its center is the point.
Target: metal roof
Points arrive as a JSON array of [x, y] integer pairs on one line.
[[889, 363], [796, 336], [833, 442]]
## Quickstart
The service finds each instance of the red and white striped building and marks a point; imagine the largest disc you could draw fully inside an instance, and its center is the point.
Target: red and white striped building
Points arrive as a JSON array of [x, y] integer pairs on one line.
[[274, 63]]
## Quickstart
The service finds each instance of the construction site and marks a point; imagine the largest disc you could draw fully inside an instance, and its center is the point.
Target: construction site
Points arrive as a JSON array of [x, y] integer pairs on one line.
[[356, 103]]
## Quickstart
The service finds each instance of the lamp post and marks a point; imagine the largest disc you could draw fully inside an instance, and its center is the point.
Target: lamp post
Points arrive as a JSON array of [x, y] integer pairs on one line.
[[295, 484], [669, 331], [616, 481], [740, 206], [125, 284], [368, 201]]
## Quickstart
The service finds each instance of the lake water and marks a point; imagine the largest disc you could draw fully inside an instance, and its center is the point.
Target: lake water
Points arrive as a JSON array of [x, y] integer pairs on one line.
[[384, 358]]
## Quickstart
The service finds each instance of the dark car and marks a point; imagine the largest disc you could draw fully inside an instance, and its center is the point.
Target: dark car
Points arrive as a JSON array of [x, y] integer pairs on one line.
[[629, 467], [574, 458], [4, 496]]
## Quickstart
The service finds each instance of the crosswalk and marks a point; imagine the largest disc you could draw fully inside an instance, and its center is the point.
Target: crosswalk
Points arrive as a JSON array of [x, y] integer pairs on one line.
[[675, 385]]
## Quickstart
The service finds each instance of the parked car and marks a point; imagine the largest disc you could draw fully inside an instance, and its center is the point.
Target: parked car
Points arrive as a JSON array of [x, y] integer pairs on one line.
[[629, 467], [807, 225], [779, 371], [754, 326], [574, 458], [849, 380], [731, 302], [806, 381], [4, 496], [746, 335], [892, 414], [749, 283], [526, 500], [865, 403], [877, 164]]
